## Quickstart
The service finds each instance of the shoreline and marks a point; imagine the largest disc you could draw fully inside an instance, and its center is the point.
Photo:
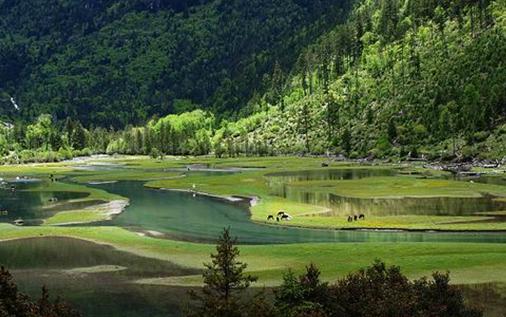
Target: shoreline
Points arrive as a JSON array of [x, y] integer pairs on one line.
[[254, 200]]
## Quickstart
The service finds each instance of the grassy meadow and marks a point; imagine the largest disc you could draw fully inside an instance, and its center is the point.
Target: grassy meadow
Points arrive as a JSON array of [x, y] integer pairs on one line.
[[469, 263]]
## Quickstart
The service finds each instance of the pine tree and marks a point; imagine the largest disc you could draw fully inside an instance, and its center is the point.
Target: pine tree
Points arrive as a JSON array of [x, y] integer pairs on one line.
[[224, 281]]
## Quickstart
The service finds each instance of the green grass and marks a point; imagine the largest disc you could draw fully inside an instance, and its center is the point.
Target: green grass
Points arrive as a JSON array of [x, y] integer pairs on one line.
[[469, 263], [93, 193], [411, 222], [100, 211], [402, 186], [73, 217], [124, 175], [254, 183]]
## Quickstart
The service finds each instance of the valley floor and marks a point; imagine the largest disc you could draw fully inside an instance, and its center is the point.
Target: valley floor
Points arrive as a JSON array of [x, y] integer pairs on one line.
[[283, 183]]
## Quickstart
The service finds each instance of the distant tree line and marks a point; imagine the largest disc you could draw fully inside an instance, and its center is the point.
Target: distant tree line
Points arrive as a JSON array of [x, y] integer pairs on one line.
[[376, 291]]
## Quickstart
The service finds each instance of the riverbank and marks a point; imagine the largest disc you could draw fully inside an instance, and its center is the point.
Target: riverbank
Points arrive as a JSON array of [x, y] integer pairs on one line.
[[468, 262], [249, 177]]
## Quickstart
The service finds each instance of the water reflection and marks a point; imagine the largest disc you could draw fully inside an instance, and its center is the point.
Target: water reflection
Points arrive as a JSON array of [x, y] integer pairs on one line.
[[181, 216], [34, 206], [279, 185]]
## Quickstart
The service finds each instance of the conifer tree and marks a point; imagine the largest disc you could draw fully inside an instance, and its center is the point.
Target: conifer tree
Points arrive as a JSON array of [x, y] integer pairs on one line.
[[224, 280]]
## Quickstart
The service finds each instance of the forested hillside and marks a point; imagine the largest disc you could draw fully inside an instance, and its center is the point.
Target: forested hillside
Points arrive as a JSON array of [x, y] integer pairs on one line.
[[400, 78], [393, 78], [113, 63]]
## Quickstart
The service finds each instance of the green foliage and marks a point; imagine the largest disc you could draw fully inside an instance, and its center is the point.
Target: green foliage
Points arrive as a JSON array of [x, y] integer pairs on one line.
[[390, 79], [305, 296], [113, 62], [224, 280], [406, 74], [375, 291]]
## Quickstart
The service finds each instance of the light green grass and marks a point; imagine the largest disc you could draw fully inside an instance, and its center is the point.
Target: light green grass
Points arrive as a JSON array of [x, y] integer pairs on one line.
[[402, 186], [77, 216], [255, 183], [93, 193], [411, 222], [469, 263], [85, 215]]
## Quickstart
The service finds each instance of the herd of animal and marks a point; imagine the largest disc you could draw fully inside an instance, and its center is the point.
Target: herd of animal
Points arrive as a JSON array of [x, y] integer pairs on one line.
[[356, 217], [282, 215]]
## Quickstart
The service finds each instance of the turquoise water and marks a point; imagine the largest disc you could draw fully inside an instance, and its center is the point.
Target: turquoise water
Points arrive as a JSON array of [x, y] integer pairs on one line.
[[179, 215], [32, 207]]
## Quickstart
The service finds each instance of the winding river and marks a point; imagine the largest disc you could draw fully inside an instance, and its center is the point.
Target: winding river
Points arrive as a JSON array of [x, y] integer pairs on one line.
[[99, 279], [179, 215]]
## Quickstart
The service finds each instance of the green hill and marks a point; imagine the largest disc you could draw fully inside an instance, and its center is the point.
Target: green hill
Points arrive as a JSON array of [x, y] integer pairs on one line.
[[111, 62], [384, 78]]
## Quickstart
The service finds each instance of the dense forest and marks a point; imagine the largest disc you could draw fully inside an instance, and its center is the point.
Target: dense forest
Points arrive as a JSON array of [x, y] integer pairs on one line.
[[389, 78], [113, 63]]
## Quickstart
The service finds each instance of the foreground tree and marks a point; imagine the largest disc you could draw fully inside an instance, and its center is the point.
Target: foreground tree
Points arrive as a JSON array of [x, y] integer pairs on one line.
[[13, 303], [306, 295], [224, 281], [376, 291]]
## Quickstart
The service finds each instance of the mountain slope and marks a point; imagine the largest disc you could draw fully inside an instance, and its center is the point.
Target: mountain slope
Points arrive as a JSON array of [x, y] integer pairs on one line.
[[111, 62], [400, 78]]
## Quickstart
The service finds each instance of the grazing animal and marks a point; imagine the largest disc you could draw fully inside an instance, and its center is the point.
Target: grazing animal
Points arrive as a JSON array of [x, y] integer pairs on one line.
[[277, 219], [350, 218], [270, 217], [13, 188], [18, 222], [325, 165], [53, 199], [285, 217], [361, 216], [281, 213], [355, 217]]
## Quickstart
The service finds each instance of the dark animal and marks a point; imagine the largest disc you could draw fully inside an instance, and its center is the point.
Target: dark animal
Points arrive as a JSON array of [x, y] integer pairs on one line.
[[361, 216], [13, 188], [285, 217], [270, 217], [281, 213], [277, 219], [350, 218], [325, 165], [355, 217]]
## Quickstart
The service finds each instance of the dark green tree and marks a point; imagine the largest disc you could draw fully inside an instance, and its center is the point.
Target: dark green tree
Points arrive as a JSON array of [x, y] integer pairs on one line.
[[224, 282], [15, 304]]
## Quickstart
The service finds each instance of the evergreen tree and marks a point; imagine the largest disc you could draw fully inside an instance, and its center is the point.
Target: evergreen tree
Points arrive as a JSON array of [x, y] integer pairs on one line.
[[224, 281]]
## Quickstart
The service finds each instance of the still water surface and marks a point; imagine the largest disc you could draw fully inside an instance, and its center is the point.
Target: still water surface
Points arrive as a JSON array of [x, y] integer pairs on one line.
[[182, 216]]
